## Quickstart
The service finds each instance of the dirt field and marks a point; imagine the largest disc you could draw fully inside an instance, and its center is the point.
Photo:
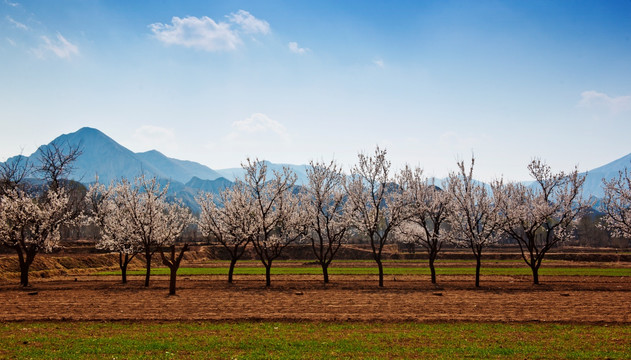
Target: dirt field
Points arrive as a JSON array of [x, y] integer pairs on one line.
[[559, 299]]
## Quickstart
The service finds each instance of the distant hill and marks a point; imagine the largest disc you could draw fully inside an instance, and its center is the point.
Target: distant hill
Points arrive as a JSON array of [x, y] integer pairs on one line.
[[106, 159], [213, 186], [178, 170], [238, 173], [594, 181], [103, 157]]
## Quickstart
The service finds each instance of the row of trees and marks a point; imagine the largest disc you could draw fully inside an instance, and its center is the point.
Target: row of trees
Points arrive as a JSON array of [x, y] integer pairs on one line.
[[32, 214], [268, 211]]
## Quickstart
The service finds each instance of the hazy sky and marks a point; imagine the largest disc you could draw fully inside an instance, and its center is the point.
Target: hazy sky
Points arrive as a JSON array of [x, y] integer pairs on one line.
[[291, 81]]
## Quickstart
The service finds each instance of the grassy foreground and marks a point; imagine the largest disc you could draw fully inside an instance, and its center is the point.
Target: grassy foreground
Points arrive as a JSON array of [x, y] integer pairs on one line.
[[252, 340], [567, 271]]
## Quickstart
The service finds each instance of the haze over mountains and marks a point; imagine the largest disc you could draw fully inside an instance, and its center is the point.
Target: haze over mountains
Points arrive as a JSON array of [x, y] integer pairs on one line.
[[103, 157], [106, 159]]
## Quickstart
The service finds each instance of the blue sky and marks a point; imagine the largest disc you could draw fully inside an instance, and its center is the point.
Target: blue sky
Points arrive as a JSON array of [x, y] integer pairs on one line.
[[291, 81]]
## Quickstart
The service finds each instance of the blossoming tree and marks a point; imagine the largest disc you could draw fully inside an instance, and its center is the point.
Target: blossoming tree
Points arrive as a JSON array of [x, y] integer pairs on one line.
[[113, 222], [277, 209], [429, 209], [377, 201], [328, 212], [31, 216], [475, 220], [616, 205], [30, 224], [539, 217], [153, 221], [230, 219]]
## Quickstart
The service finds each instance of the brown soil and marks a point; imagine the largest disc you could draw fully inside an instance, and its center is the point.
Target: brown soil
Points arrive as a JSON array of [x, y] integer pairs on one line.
[[304, 298]]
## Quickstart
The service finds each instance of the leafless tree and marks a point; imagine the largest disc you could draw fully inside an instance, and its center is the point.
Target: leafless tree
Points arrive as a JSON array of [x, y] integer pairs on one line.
[[56, 162], [12, 174]]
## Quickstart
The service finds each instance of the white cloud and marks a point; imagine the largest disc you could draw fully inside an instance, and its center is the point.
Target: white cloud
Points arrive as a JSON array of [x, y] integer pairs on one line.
[[199, 33], [11, 42], [12, 4], [206, 34], [149, 137], [455, 142], [595, 99], [61, 47], [256, 136], [379, 62], [259, 123], [248, 23], [293, 47], [17, 24]]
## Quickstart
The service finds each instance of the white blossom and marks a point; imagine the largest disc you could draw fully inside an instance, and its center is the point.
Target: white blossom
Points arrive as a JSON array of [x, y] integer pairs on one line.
[[377, 201], [540, 216], [475, 220]]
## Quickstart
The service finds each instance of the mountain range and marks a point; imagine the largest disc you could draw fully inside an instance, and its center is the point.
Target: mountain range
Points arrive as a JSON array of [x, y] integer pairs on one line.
[[106, 159]]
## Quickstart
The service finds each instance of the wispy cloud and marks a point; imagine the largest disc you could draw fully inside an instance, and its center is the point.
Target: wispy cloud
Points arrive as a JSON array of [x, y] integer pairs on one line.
[[257, 135], [206, 34], [293, 47], [150, 137], [16, 23], [595, 99], [61, 47], [199, 33], [12, 4], [457, 142], [259, 123], [248, 23], [10, 41], [379, 62]]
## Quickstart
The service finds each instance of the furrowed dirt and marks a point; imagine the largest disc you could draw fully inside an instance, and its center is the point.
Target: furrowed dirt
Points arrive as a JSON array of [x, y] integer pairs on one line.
[[561, 299]]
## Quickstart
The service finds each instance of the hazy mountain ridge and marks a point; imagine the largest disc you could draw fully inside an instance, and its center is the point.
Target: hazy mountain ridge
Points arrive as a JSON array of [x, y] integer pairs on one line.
[[103, 157], [238, 173], [594, 181]]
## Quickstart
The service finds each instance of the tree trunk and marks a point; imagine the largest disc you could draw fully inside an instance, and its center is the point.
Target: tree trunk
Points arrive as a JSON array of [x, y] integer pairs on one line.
[[432, 269], [477, 271], [172, 280], [148, 262], [24, 274], [124, 273], [325, 272], [233, 262], [380, 272], [25, 265], [123, 265], [535, 274], [174, 264], [268, 277]]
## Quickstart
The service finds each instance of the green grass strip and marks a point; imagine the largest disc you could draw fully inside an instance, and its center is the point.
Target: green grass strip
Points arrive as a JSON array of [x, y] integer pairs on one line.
[[578, 271], [255, 340]]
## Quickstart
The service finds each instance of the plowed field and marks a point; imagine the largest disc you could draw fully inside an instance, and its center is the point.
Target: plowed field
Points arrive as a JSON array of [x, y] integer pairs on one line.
[[560, 299]]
